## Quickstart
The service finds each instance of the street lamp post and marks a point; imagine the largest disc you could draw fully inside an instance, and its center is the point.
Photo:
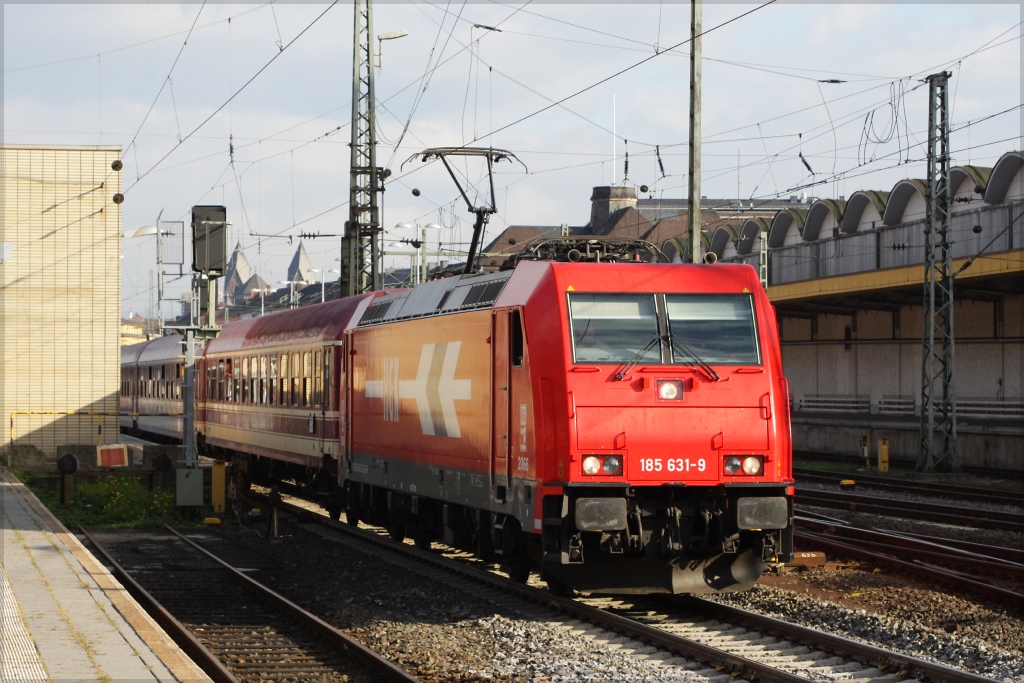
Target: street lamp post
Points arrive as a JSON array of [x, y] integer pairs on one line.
[[291, 289], [422, 244], [261, 292], [323, 278], [159, 232]]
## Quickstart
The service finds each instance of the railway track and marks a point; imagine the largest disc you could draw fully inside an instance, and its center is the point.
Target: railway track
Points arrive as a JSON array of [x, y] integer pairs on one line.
[[966, 493], [880, 505], [745, 645], [235, 628], [992, 577]]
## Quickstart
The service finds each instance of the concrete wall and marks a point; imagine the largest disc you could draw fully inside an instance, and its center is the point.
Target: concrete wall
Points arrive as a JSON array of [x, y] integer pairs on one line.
[[883, 359]]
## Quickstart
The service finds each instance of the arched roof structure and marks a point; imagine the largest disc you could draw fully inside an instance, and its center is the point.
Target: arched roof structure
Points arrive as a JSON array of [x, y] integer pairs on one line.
[[781, 225], [1002, 176], [750, 232], [901, 194], [978, 174], [817, 214], [859, 201], [722, 237]]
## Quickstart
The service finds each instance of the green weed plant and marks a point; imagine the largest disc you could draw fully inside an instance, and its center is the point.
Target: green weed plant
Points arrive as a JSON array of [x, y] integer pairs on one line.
[[117, 503]]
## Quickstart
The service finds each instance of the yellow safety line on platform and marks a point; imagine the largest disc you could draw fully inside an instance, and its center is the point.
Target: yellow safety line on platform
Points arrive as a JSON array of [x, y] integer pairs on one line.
[[1005, 263]]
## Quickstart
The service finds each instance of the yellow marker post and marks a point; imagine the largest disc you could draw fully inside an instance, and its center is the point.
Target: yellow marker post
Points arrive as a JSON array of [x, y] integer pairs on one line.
[[883, 455], [217, 488]]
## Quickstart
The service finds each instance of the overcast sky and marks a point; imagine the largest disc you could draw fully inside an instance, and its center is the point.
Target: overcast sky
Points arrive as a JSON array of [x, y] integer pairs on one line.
[[125, 75]]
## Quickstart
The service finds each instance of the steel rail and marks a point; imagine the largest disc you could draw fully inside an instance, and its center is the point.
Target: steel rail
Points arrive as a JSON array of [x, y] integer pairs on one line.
[[734, 664], [919, 548], [203, 658], [382, 666], [972, 493], [737, 666], [912, 510], [883, 659], [996, 592]]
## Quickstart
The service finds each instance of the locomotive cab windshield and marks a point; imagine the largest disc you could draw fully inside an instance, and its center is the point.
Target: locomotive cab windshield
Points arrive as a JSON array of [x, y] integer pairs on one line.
[[665, 329]]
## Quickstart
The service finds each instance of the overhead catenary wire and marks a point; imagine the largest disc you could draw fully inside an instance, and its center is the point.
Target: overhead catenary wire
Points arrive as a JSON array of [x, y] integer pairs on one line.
[[232, 97]]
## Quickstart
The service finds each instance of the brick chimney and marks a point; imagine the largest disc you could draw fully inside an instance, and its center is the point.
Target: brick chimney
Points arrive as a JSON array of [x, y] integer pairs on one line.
[[606, 200]]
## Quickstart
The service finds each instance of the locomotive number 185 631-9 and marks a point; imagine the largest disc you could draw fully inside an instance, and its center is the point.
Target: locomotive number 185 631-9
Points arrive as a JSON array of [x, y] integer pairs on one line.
[[672, 465]]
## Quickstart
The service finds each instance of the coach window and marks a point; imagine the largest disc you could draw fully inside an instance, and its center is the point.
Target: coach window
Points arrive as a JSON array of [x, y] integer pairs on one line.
[[285, 382], [254, 380], [263, 380], [327, 379], [272, 398], [318, 380], [245, 381], [233, 372], [220, 380], [307, 378], [296, 379]]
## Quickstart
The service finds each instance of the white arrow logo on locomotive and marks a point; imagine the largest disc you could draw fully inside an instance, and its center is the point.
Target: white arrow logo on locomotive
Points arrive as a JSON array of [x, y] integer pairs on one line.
[[435, 389]]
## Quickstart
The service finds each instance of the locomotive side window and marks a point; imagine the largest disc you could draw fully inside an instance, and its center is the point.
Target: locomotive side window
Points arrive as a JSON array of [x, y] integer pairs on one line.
[[719, 328], [517, 338], [613, 328]]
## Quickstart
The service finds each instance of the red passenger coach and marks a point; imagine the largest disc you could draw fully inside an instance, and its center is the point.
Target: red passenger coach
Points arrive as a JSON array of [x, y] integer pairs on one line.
[[623, 426], [267, 388]]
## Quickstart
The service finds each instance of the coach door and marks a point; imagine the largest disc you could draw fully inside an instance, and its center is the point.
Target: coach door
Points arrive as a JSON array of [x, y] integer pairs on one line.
[[501, 388]]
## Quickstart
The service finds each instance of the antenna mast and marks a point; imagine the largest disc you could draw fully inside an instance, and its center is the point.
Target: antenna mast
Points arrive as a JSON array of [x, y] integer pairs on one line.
[[360, 250]]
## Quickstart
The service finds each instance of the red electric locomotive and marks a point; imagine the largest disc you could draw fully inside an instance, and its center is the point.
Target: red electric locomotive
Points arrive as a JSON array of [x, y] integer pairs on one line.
[[623, 427]]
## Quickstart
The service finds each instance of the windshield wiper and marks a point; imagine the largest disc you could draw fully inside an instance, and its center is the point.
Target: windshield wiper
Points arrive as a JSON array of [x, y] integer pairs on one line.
[[697, 359], [639, 354]]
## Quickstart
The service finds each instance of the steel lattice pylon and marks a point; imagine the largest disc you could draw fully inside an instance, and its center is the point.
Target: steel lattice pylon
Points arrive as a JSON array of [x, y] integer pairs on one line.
[[939, 447], [360, 255]]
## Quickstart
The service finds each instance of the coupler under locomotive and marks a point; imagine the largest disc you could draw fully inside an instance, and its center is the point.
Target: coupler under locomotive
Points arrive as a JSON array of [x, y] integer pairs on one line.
[[657, 540]]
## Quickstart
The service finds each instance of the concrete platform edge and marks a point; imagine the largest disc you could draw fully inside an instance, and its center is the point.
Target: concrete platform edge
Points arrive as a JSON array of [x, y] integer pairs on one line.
[[168, 652]]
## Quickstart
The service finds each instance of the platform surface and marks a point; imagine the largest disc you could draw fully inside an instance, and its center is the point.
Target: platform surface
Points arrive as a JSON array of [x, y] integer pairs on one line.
[[63, 617]]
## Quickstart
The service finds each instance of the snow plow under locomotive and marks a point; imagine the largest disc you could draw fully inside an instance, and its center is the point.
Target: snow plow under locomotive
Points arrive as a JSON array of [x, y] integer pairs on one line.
[[620, 427]]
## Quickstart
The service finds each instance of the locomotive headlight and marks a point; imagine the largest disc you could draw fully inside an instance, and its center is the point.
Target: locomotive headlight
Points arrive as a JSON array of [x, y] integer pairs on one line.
[[670, 389], [612, 465], [751, 465], [605, 465]]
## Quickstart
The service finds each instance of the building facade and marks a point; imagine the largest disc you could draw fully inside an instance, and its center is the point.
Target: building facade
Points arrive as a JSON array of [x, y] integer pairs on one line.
[[60, 300]]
